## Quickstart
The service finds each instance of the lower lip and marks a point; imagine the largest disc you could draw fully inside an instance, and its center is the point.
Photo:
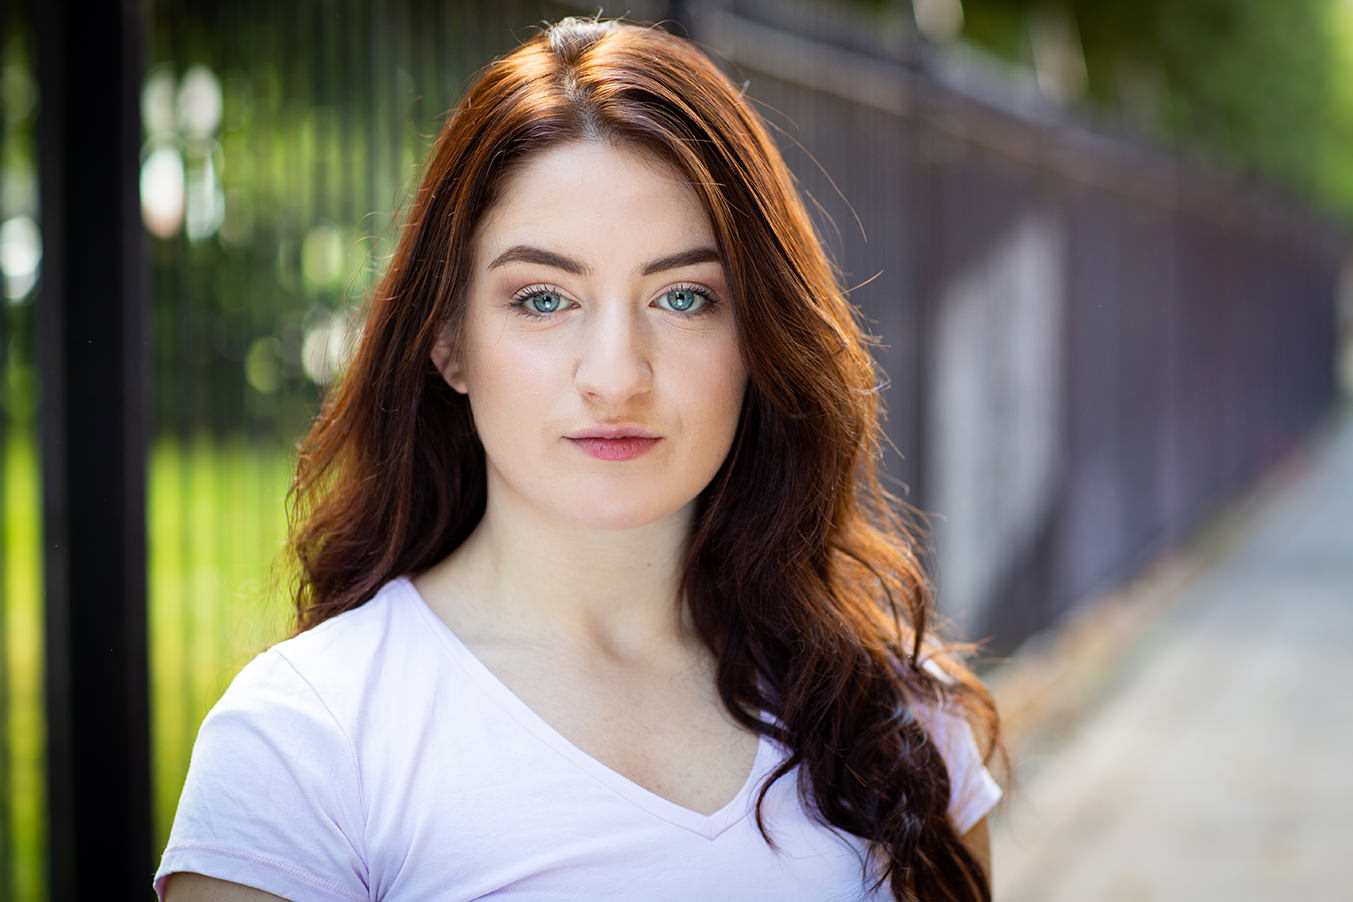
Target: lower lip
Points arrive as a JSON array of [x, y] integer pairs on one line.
[[626, 448]]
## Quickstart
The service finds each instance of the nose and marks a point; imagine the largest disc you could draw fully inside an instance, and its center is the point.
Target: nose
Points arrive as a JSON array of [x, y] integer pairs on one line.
[[613, 363]]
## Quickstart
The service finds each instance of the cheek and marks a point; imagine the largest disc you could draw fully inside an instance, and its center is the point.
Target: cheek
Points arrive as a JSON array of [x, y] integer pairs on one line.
[[720, 379], [506, 375], [508, 391]]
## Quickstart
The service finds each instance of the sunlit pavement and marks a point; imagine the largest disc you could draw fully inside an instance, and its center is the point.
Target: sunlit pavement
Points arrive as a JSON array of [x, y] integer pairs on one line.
[[1215, 760]]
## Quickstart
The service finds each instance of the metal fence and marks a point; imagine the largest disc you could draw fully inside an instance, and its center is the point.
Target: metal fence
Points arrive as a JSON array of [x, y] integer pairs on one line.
[[1089, 342]]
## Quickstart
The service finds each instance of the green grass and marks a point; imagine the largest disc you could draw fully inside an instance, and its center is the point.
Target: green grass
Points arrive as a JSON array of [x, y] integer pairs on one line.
[[216, 528], [26, 731]]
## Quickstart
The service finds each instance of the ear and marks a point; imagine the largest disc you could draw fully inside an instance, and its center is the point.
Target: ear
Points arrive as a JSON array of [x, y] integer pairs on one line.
[[447, 361]]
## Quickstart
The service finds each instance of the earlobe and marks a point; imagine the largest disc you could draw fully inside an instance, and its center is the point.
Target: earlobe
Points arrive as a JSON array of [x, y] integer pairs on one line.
[[447, 362]]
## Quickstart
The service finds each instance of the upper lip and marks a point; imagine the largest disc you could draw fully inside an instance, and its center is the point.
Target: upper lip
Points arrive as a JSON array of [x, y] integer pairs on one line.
[[620, 430]]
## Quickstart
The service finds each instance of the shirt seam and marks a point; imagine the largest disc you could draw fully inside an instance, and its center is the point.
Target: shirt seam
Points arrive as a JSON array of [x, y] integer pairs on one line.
[[274, 864], [347, 739]]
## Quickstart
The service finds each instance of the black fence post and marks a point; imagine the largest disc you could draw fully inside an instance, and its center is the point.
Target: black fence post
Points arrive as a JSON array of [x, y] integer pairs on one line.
[[93, 361]]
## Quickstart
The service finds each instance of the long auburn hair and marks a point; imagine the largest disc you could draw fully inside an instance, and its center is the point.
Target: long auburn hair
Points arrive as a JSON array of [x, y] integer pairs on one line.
[[799, 574]]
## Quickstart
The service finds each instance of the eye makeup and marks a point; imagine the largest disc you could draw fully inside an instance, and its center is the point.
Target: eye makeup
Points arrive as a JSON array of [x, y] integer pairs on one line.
[[685, 299]]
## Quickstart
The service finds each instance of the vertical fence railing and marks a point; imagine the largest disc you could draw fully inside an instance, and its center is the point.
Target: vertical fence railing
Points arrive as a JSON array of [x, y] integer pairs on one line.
[[92, 343]]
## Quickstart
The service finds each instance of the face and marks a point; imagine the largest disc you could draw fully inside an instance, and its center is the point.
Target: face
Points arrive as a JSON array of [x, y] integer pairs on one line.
[[598, 350]]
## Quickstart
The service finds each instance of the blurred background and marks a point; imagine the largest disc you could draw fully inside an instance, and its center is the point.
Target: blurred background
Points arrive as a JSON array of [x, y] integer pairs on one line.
[[1103, 244]]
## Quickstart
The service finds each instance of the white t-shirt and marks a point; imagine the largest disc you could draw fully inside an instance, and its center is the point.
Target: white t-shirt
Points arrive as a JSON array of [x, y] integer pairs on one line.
[[375, 757]]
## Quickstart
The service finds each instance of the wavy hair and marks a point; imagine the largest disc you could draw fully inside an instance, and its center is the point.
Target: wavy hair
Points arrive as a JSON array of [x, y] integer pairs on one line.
[[799, 573]]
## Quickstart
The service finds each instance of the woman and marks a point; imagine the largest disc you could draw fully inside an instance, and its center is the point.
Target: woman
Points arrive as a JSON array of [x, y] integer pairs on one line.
[[599, 594]]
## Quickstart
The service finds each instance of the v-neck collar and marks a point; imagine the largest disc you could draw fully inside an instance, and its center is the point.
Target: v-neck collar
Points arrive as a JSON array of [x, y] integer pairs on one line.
[[709, 826]]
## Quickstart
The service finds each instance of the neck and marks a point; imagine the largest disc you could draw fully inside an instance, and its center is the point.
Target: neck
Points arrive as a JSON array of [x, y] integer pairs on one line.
[[525, 574]]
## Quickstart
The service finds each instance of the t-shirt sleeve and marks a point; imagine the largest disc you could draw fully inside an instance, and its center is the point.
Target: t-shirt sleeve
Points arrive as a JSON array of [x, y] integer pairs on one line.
[[273, 798], [973, 791]]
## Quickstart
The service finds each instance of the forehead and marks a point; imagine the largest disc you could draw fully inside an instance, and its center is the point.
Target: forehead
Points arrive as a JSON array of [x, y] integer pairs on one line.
[[595, 197]]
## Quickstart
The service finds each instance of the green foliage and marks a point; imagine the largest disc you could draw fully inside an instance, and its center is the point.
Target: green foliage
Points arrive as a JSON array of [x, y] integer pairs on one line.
[[217, 528], [1334, 162], [1252, 84], [21, 606], [998, 27]]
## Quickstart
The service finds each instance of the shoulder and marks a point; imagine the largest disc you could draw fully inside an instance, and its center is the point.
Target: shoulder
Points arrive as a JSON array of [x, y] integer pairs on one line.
[[360, 633], [276, 796], [301, 708], [273, 772], [973, 791], [332, 665], [306, 692]]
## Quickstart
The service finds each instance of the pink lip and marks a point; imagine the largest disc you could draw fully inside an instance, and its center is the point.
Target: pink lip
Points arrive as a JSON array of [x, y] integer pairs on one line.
[[616, 443]]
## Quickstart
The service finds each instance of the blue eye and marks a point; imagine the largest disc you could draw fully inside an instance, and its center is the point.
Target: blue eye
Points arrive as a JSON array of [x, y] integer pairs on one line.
[[684, 299], [540, 302]]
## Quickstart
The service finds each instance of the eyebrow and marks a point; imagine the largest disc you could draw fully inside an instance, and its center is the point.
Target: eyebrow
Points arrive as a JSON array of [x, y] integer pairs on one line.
[[684, 258], [523, 254]]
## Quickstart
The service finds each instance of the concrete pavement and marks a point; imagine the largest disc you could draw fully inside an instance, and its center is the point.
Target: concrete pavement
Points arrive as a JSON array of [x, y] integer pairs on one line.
[[1192, 738]]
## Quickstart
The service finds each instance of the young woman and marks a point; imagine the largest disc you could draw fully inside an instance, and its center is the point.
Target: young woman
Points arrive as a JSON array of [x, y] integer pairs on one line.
[[600, 597]]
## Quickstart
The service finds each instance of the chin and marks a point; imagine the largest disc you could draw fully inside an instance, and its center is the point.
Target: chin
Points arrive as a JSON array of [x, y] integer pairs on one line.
[[619, 513]]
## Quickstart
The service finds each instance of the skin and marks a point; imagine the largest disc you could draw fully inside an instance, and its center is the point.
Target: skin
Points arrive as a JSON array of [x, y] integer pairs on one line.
[[187, 887], [567, 589], [978, 841], [614, 352]]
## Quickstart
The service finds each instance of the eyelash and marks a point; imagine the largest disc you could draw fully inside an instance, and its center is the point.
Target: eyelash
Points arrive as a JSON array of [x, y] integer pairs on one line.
[[521, 297], [711, 302], [530, 291]]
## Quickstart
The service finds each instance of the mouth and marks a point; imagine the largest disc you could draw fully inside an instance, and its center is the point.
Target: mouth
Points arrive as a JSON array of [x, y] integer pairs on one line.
[[614, 443]]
